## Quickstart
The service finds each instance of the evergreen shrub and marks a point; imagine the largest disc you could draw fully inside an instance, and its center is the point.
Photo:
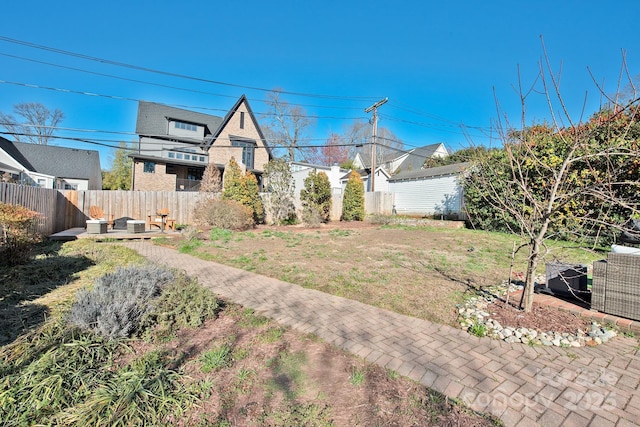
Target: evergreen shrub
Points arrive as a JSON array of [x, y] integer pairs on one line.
[[316, 199], [353, 201]]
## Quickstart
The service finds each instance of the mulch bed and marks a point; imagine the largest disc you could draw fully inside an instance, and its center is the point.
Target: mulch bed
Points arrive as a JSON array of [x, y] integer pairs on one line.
[[541, 318]]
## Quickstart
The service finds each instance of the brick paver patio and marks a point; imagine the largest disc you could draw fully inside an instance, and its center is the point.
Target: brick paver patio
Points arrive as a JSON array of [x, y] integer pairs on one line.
[[522, 385]]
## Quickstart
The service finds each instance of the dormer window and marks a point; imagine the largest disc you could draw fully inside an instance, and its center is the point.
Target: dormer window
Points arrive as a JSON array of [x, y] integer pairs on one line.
[[186, 126]]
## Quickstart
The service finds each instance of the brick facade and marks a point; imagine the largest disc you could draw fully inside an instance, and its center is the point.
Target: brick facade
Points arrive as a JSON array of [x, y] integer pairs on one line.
[[163, 147], [220, 152], [157, 181]]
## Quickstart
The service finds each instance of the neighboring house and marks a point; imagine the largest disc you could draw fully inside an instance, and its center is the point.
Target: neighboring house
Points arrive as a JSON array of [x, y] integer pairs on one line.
[[430, 192], [176, 145], [50, 166], [300, 171], [363, 161], [395, 163], [381, 180], [414, 159]]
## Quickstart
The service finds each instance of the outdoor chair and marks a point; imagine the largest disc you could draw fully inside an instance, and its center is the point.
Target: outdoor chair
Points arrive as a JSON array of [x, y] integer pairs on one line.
[[615, 287], [162, 216], [96, 213]]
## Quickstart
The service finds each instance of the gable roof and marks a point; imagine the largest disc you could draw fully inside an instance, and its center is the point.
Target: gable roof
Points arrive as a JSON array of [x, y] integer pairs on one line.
[[453, 169], [227, 117], [387, 157], [9, 148], [60, 162], [364, 173], [417, 157], [152, 119]]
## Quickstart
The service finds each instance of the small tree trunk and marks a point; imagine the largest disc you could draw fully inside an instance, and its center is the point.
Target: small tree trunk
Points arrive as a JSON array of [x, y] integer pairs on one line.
[[529, 287]]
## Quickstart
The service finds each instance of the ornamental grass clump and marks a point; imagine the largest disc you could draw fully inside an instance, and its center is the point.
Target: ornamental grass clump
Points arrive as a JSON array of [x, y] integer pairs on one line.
[[114, 307], [183, 303], [58, 376]]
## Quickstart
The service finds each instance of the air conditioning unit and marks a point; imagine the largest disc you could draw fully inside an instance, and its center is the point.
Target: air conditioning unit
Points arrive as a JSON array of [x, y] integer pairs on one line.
[[566, 280]]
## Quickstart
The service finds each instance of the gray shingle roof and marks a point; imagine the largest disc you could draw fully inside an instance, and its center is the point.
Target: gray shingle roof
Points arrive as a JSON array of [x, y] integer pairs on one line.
[[417, 157], [60, 162], [152, 119], [453, 169], [9, 148], [387, 157]]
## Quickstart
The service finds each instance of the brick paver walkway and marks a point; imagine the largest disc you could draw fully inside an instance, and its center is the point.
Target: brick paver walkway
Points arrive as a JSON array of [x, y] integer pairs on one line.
[[522, 385]]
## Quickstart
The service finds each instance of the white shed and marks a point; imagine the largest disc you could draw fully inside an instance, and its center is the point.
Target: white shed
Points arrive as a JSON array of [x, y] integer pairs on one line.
[[429, 192]]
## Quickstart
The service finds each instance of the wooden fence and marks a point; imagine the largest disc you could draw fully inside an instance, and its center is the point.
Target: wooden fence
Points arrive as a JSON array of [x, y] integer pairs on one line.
[[42, 200], [65, 209]]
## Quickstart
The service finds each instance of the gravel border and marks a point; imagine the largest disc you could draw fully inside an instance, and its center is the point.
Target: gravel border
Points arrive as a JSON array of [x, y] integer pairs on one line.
[[474, 318]]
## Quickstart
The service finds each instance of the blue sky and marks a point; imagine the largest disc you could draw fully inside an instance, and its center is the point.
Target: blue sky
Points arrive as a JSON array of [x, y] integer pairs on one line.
[[437, 62]]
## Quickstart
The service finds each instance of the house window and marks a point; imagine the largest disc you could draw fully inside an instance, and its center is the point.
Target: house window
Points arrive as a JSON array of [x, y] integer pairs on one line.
[[248, 149], [186, 126], [68, 186], [149, 167], [194, 174], [172, 155], [242, 120], [179, 156], [201, 158], [42, 182]]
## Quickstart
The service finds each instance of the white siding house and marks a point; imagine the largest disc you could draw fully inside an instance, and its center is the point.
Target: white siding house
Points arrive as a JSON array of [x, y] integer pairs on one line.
[[300, 171], [429, 192]]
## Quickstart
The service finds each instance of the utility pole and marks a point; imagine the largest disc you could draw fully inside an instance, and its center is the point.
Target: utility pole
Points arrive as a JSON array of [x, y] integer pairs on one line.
[[374, 108]]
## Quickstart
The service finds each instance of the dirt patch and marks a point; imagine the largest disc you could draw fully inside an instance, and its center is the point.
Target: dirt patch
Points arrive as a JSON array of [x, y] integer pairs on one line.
[[287, 378], [540, 318]]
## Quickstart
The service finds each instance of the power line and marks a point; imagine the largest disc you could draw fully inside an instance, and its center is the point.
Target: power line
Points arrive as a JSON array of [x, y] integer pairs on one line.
[[356, 142], [170, 74], [162, 85], [421, 113], [150, 70], [109, 143], [429, 125], [397, 105], [123, 98], [437, 127]]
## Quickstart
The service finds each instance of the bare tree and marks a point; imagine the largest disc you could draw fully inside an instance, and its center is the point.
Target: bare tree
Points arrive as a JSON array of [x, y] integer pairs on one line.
[[358, 135], [40, 123], [286, 125], [335, 151], [561, 176]]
